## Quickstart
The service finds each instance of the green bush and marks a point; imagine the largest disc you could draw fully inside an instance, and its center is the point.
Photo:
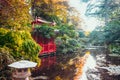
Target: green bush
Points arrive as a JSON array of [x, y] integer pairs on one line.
[[68, 39], [45, 31], [21, 45], [114, 48]]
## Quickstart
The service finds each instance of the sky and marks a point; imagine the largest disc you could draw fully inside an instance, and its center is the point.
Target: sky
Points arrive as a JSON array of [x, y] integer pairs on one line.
[[88, 23]]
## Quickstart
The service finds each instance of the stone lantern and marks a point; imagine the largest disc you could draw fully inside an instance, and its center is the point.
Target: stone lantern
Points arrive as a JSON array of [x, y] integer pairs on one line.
[[22, 69]]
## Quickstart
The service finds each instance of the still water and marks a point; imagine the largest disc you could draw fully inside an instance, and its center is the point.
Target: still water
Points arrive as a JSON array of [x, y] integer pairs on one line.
[[63, 67]]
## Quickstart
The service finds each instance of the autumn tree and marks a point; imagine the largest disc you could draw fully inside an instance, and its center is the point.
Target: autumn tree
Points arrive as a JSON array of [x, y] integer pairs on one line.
[[58, 10], [14, 14], [16, 42], [46, 8], [66, 18], [14, 32], [73, 17]]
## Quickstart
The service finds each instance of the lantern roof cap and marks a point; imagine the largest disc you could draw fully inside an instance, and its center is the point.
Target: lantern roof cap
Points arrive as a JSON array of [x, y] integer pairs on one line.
[[23, 64]]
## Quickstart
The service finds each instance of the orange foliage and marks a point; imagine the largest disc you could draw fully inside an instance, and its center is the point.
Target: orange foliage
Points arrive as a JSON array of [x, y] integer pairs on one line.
[[79, 66]]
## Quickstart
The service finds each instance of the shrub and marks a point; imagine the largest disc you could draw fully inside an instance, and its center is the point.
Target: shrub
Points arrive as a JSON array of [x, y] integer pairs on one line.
[[21, 45]]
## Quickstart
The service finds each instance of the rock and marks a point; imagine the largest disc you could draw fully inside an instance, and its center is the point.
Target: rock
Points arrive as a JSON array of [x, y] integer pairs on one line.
[[93, 74], [93, 77], [41, 77], [112, 70]]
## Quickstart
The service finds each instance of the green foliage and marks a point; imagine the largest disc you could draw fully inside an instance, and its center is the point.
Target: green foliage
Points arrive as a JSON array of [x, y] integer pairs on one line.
[[112, 31], [112, 36], [68, 30], [45, 31], [68, 40], [97, 37], [102, 8], [109, 10], [53, 18], [20, 44], [81, 34], [108, 34], [30, 50], [2, 35], [114, 48], [66, 45]]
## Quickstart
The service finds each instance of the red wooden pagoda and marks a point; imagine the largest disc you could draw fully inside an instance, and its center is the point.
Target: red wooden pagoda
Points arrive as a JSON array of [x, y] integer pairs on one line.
[[48, 45]]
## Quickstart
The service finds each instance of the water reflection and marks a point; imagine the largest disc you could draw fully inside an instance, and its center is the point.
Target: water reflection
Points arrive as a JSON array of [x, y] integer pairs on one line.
[[47, 62], [63, 69], [89, 64], [45, 69]]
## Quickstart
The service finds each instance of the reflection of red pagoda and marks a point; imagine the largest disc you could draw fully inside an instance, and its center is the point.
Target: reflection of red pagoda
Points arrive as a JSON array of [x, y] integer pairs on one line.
[[48, 62], [48, 45]]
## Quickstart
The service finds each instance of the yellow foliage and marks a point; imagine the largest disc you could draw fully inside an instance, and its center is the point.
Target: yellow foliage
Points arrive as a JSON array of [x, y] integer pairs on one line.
[[88, 52], [53, 7], [58, 78], [46, 1], [87, 33], [14, 14], [54, 1]]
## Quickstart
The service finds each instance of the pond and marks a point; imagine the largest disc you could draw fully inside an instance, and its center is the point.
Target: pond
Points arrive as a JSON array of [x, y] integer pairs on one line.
[[62, 67], [74, 66], [57, 67]]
